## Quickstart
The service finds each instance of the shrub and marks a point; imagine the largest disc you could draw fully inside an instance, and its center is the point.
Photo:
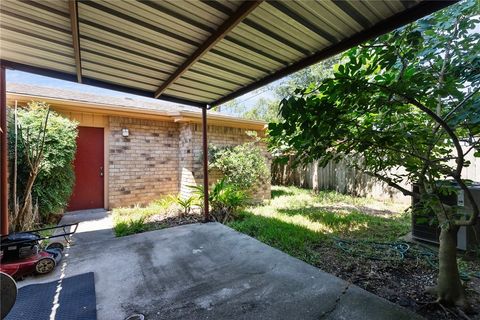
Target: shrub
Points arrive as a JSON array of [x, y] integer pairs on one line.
[[243, 166], [225, 199], [55, 179]]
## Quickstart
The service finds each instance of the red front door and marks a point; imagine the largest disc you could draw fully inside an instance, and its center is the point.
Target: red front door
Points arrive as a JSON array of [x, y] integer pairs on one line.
[[89, 171]]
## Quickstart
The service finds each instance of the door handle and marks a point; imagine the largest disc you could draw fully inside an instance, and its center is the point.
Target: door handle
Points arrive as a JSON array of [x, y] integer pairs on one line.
[[101, 171]]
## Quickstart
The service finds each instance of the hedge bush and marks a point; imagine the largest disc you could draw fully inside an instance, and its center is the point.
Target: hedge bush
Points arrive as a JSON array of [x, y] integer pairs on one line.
[[243, 166], [54, 184]]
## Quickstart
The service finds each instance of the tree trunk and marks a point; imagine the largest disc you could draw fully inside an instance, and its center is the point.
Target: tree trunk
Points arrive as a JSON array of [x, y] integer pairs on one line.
[[315, 175], [289, 180], [449, 287], [25, 217]]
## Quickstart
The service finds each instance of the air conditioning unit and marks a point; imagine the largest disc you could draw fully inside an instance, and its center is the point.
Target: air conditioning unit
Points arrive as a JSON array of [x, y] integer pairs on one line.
[[425, 227]]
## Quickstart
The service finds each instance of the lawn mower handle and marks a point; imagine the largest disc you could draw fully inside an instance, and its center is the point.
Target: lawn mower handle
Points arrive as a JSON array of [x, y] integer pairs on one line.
[[65, 234]]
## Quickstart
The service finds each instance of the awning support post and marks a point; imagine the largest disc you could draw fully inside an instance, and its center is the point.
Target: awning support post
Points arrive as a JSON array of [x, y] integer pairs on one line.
[[3, 154], [205, 163]]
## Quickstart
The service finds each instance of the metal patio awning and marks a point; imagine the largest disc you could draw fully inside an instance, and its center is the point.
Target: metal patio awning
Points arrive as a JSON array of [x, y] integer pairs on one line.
[[192, 52], [201, 53]]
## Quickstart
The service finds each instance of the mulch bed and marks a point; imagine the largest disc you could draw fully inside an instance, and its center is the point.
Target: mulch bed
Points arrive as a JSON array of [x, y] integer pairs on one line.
[[162, 221], [401, 282]]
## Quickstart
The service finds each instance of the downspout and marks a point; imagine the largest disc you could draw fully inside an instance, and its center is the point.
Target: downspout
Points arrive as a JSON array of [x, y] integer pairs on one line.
[[3, 154], [205, 163]]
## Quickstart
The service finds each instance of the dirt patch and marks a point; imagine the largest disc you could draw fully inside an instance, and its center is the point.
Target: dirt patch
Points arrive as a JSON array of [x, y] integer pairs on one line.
[[402, 282]]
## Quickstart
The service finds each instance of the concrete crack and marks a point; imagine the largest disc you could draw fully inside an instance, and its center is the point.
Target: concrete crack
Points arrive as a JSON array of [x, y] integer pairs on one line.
[[335, 304]]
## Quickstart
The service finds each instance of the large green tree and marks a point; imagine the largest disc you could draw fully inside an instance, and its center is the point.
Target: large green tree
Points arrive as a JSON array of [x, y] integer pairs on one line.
[[408, 99], [302, 78], [266, 107]]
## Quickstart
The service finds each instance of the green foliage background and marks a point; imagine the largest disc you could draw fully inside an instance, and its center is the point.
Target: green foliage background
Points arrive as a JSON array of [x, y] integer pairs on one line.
[[267, 107], [378, 104], [54, 184], [242, 165]]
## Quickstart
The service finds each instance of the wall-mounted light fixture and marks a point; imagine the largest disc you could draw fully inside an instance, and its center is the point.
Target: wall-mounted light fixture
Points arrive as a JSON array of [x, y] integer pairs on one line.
[[125, 133]]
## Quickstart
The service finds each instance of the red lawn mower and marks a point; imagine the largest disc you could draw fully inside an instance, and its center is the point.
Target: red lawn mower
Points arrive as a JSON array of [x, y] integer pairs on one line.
[[24, 253]]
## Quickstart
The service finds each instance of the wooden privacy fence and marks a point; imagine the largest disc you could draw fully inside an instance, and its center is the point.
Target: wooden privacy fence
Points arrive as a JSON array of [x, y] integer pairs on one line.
[[344, 179]]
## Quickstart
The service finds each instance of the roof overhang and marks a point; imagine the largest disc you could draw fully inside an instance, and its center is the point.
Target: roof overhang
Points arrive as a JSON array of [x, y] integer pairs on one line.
[[183, 116], [193, 52]]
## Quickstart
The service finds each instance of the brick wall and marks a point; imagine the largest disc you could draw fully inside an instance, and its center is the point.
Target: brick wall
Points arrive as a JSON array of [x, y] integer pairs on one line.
[[164, 158], [186, 149], [221, 137], [144, 166]]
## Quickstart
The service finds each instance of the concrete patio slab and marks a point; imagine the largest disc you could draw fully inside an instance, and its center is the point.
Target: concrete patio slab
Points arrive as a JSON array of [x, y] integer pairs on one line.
[[209, 271]]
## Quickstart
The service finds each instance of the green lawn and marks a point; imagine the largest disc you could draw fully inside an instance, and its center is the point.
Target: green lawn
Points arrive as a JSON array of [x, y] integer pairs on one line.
[[298, 221]]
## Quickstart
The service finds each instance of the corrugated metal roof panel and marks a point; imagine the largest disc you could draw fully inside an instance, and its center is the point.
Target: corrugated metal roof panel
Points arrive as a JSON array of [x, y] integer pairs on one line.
[[33, 28], [210, 87], [223, 73], [114, 16], [115, 78], [35, 33], [246, 53], [117, 70], [124, 65], [56, 17], [156, 15], [120, 53], [234, 65], [257, 38], [103, 26], [200, 10], [195, 90], [143, 45], [194, 75], [92, 37], [34, 42], [320, 18], [174, 92], [35, 60], [48, 54], [292, 31]]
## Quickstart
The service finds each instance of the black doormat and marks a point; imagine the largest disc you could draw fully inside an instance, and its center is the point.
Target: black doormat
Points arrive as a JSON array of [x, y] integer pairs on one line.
[[70, 298]]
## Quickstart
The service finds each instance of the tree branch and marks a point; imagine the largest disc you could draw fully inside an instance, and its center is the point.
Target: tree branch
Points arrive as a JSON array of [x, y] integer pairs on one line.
[[460, 104], [445, 126], [474, 146], [435, 117]]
